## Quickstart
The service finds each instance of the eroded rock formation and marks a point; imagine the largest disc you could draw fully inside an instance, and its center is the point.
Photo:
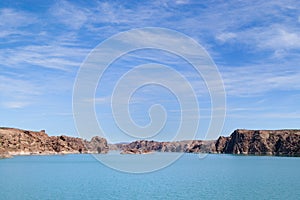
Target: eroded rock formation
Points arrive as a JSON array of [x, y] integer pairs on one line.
[[261, 142], [22, 142], [188, 146], [241, 141]]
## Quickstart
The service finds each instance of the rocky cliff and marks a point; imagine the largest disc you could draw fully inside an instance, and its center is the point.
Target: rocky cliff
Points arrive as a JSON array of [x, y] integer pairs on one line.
[[188, 146], [254, 142], [261, 142], [241, 141], [24, 142]]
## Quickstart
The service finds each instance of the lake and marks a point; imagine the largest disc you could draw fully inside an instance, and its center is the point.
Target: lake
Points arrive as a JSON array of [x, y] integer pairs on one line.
[[213, 177]]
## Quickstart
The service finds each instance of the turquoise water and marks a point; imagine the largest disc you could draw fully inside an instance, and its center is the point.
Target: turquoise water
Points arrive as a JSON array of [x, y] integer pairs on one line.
[[214, 177]]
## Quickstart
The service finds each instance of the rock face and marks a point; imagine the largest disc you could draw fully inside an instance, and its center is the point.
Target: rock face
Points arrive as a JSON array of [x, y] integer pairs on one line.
[[23, 142], [96, 145], [188, 146], [253, 142], [261, 142], [241, 141]]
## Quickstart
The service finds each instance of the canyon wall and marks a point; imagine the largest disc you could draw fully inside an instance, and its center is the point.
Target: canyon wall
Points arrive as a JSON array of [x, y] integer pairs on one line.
[[23, 142], [241, 141]]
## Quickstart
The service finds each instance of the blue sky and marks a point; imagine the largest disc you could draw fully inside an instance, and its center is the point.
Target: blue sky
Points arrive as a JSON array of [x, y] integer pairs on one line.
[[255, 45]]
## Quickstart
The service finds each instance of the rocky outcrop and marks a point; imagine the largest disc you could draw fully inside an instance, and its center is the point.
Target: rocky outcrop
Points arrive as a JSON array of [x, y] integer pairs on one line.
[[221, 143], [145, 145], [24, 142], [261, 142], [241, 141], [188, 146], [201, 146], [96, 145], [136, 151]]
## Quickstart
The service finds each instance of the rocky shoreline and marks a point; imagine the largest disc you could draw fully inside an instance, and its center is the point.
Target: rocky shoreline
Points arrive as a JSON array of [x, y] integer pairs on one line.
[[23, 142], [241, 141], [245, 142]]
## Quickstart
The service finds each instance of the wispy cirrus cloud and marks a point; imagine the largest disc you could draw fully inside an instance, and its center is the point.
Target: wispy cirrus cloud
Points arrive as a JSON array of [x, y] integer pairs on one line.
[[45, 56], [254, 44], [13, 22], [224, 37], [71, 16], [17, 93], [258, 80]]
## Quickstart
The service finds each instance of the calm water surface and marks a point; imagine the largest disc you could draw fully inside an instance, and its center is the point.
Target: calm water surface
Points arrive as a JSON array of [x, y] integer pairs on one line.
[[215, 177]]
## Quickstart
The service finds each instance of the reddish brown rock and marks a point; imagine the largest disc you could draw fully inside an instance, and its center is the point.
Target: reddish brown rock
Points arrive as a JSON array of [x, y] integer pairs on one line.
[[136, 151], [262, 142], [97, 145], [189, 146], [255, 142], [23, 142], [221, 143]]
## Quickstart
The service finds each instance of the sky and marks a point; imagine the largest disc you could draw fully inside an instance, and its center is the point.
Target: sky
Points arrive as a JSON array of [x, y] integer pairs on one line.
[[254, 44]]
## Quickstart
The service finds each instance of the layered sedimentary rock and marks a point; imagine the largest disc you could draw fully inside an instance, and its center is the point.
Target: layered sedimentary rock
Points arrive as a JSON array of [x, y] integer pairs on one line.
[[23, 142], [188, 146], [261, 142], [255, 142], [241, 141]]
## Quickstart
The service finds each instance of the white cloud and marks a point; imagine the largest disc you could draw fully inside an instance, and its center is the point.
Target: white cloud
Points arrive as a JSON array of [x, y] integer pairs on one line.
[[15, 104], [260, 26], [51, 56], [17, 86], [223, 21], [282, 39], [70, 15], [180, 2], [275, 37], [11, 20], [16, 93], [224, 37], [257, 80]]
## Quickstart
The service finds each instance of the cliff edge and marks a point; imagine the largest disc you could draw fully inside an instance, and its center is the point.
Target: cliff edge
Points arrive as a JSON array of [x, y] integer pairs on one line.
[[23, 142], [261, 142], [241, 141]]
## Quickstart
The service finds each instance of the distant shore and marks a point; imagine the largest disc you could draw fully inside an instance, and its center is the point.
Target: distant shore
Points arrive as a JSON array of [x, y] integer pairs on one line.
[[243, 142]]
